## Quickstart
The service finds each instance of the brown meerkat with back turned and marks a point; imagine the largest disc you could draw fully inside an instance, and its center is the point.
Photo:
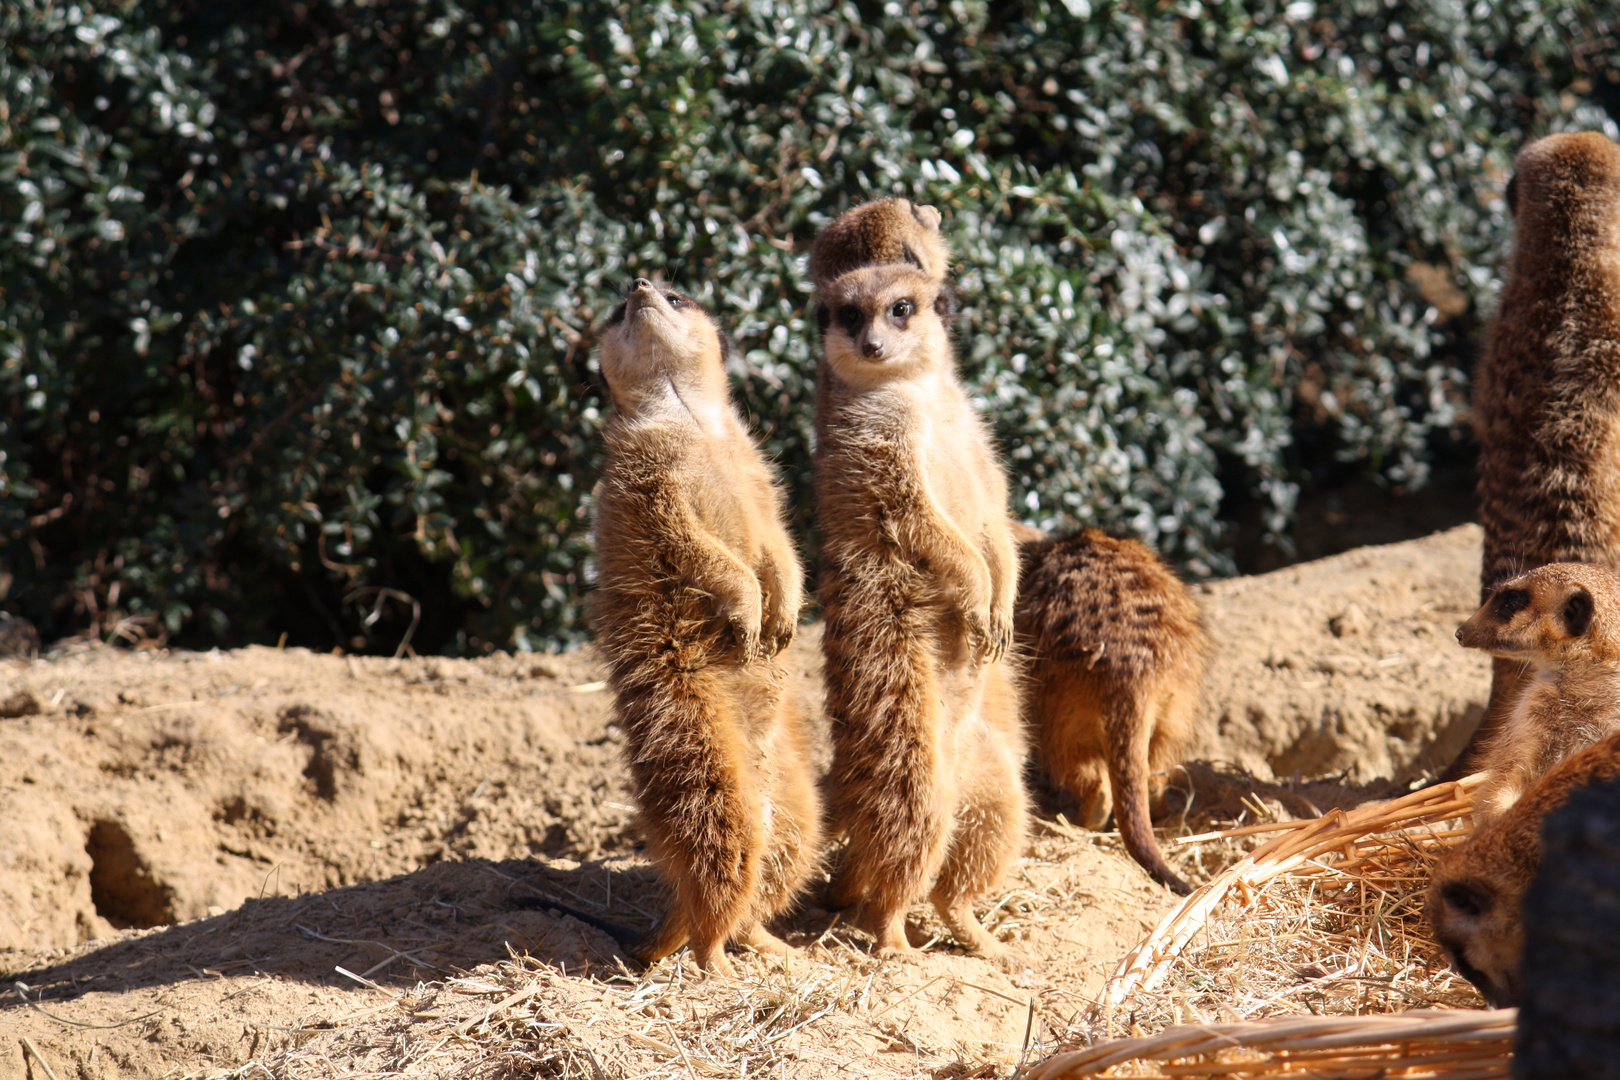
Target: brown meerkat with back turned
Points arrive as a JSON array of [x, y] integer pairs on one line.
[[880, 233], [698, 590], [1476, 896], [917, 588], [1562, 623], [1547, 390], [1116, 651]]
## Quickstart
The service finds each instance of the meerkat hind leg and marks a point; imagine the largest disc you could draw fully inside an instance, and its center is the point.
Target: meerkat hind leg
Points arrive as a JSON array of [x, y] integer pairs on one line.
[[987, 840]]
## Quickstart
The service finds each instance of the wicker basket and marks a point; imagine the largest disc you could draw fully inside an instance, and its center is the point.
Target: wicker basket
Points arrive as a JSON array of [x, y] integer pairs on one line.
[[1440, 1044]]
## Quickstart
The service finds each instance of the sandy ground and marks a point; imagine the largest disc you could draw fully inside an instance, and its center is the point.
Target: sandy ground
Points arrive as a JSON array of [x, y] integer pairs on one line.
[[275, 863]]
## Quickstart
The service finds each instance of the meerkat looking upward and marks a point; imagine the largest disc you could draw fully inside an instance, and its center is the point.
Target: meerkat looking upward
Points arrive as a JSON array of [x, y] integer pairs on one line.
[[1116, 652], [1476, 896], [918, 582], [1562, 623], [885, 232], [1547, 390], [698, 590]]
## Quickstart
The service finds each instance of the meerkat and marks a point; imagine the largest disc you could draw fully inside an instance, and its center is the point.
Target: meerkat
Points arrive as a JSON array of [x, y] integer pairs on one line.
[[888, 231], [698, 590], [1547, 390], [1476, 897], [917, 590], [1116, 650], [1561, 622]]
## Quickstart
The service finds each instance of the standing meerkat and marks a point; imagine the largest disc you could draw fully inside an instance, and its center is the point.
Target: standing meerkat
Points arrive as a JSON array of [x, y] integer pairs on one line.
[[1476, 897], [917, 589], [1116, 653], [698, 591], [884, 232], [1547, 390], [1561, 623]]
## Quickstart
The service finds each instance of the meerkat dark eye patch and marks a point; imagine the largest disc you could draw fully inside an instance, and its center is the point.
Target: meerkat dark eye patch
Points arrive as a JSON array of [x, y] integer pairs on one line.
[[676, 300], [1466, 898], [1509, 602], [1578, 613], [902, 310], [849, 317]]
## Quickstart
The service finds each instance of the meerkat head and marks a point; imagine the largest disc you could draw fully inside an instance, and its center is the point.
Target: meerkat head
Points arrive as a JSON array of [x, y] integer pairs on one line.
[[883, 323], [1476, 894], [879, 233], [1553, 615], [658, 341], [1474, 906], [1568, 185]]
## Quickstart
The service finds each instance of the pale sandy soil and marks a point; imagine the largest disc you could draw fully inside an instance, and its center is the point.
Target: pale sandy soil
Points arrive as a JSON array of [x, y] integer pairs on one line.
[[193, 845]]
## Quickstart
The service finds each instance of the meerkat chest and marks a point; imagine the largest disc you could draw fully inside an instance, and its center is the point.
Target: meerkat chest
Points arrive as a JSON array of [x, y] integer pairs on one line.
[[950, 450], [732, 492]]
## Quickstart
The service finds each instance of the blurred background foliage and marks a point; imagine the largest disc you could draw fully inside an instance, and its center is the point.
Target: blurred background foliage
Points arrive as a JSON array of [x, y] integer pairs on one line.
[[296, 299]]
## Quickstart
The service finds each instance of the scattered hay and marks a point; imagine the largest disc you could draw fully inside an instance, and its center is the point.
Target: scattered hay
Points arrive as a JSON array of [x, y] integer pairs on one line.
[[1439, 1044], [1325, 918]]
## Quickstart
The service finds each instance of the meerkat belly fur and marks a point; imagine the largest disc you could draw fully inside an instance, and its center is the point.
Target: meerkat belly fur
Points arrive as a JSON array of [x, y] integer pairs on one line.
[[1476, 897], [1547, 390], [698, 590], [1562, 624], [1116, 651], [917, 592]]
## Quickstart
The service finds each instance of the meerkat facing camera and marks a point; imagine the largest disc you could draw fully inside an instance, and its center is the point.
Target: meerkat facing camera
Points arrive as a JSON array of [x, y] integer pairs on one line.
[[918, 582], [1116, 653], [1562, 623], [698, 590], [883, 232], [1547, 389], [1476, 896]]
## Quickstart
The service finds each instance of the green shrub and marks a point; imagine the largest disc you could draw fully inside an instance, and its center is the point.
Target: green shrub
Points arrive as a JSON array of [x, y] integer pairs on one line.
[[297, 299]]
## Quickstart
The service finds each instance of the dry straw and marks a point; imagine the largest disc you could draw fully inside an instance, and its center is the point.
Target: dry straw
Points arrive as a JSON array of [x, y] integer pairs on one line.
[[1448, 1044], [1325, 918]]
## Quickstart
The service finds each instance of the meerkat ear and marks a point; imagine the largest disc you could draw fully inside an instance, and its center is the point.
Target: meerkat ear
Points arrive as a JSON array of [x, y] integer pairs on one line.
[[1466, 898], [1512, 194], [945, 303], [823, 316], [1578, 613], [728, 348]]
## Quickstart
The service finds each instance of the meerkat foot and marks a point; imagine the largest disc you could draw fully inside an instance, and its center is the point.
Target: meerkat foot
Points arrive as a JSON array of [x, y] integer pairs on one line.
[[762, 941], [711, 957], [890, 932], [972, 936]]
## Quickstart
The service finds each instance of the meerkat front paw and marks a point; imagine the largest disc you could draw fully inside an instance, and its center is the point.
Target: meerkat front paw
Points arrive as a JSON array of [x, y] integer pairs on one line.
[[1001, 636], [777, 631], [980, 634]]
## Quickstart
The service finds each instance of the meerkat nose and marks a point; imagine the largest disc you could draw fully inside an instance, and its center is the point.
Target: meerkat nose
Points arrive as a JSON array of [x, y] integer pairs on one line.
[[873, 350], [641, 283]]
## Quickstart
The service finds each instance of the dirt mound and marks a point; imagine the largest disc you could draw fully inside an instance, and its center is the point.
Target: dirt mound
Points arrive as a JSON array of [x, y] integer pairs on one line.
[[1347, 665], [191, 846]]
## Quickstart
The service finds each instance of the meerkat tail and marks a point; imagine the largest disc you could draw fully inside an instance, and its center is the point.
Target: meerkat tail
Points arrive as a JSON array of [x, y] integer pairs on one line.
[[686, 753], [663, 939], [1130, 773]]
